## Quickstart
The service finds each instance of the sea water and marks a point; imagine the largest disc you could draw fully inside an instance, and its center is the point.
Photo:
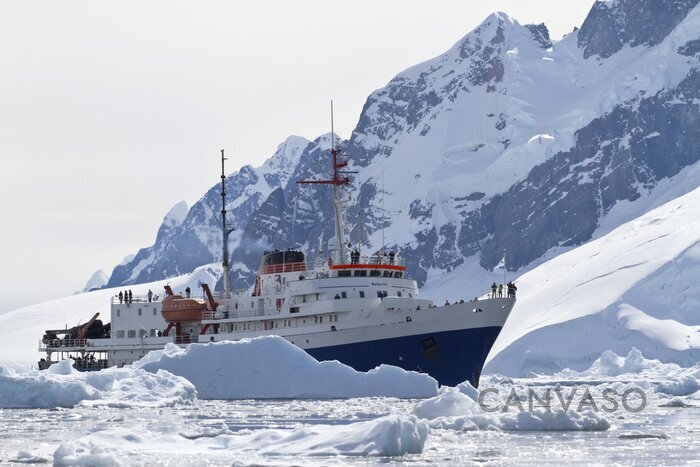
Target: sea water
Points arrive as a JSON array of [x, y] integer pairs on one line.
[[149, 436]]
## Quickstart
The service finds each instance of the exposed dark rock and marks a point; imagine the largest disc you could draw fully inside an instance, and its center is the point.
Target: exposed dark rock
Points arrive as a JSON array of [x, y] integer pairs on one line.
[[610, 25]]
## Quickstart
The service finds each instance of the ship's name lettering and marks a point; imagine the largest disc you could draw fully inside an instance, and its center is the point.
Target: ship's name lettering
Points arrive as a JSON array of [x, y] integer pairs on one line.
[[379, 283]]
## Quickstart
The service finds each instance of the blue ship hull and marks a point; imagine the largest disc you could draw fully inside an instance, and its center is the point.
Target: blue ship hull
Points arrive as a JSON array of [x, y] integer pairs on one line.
[[451, 357]]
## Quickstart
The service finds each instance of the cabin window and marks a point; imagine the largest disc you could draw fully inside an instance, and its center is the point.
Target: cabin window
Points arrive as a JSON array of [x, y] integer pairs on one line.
[[252, 304], [142, 332], [362, 294], [380, 294], [343, 295], [375, 273], [119, 313], [410, 294], [315, 319], [344, 273], [303, 298], [387, 273], [139, 311], [131, 333], [317, 297], [320, 319], [294, 309], [153, 333], [154, 312], [120, 334], [398, 275], [398, 294]]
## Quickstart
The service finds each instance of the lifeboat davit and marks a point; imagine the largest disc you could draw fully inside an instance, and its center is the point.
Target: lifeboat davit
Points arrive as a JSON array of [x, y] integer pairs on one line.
[[179, 309]]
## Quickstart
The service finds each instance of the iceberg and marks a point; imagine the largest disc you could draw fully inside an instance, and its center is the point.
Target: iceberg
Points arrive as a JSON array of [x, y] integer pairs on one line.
[[269, 367], [63, 386]]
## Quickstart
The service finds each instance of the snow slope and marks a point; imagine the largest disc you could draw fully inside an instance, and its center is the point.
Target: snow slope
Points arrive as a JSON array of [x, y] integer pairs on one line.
[[637, 286], [22, 329]]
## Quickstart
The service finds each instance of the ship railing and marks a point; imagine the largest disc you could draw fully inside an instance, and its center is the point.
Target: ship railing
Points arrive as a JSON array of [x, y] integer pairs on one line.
[[487, 293], [137, 299], [279, 268], [186, 339], [84, 364], [208, 315], [382, 258], [61, 343], [88, 364]]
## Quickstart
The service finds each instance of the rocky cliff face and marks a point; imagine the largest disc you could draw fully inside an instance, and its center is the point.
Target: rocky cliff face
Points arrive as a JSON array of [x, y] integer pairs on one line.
[[507, 141]]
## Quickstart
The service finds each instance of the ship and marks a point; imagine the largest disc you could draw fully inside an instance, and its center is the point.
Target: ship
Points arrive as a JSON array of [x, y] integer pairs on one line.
[[360, 309]]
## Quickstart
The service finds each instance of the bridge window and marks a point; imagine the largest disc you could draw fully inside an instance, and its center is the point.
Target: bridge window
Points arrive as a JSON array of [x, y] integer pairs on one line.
[[344, 273], [387, 273], [361, 273], [294, 309], [398, 275], [375, 273]]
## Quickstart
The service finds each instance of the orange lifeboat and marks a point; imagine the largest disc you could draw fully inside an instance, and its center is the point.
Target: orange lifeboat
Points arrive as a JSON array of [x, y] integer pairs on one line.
[[177, 308]]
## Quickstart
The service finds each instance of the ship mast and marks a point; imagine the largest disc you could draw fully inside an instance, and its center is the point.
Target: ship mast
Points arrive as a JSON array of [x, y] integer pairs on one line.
[[339, 179], [225, 230]]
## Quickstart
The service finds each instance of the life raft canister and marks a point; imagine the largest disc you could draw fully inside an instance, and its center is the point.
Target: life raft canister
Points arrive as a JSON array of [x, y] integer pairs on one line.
[[278, 304]]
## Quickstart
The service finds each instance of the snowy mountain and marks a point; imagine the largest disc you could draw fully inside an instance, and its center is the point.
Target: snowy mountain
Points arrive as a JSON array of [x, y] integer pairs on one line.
[[98, 280], [508, 141], [191, 238]]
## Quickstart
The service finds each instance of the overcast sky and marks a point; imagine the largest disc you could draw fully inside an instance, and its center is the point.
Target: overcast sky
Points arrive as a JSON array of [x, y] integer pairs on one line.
[[113, 111]]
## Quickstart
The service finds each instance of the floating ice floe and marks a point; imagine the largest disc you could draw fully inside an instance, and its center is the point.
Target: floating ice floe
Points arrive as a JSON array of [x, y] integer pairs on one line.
[[391, 435], [453, 409], [663, 378], [271, 368], [62, 386]]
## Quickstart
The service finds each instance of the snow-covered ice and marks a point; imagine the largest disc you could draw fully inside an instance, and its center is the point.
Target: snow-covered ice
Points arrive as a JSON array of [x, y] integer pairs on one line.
[[271, 368], [450, 428], [391, 435], [452, 409], [63, 386]]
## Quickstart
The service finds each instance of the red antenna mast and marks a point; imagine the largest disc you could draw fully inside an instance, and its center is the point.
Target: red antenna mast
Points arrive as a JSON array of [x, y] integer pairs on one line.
[[337, 179]]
